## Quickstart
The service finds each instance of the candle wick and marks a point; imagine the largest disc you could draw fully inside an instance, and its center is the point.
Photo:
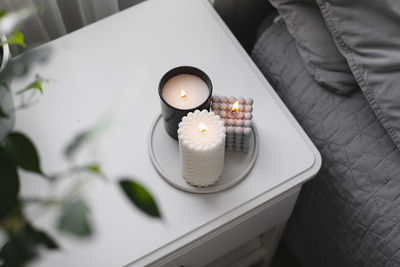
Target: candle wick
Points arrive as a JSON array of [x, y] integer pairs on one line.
[[203, 128], [183, 94]]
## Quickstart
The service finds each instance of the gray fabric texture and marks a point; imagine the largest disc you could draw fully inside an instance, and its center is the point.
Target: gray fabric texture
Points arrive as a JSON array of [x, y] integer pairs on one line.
[[367, 33], [266, 23], [349, 214], [316, 45]]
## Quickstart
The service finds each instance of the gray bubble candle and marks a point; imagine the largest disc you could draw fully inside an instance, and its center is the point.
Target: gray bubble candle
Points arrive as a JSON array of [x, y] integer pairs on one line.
[[237, 115]]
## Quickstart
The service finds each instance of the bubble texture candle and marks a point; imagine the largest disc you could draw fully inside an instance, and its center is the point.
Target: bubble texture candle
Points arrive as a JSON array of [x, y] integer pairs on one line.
[[201, 138], [236, 114]]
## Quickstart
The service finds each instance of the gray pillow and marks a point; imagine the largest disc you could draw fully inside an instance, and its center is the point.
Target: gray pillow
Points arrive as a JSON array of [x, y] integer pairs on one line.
[[315, 44], [367, 33]]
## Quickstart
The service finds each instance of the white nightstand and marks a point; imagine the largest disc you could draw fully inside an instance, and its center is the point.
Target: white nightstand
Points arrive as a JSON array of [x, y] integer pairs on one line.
[[113, 67]]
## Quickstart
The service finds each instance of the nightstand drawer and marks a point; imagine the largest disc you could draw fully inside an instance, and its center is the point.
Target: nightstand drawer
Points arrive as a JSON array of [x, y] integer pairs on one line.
[[233, 234]]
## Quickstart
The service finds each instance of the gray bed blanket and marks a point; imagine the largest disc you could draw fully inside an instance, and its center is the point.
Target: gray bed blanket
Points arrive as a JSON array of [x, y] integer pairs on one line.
[[349, 214]]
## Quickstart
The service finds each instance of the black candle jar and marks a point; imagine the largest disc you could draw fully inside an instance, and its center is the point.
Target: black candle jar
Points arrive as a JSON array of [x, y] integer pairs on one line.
[[172, 116]]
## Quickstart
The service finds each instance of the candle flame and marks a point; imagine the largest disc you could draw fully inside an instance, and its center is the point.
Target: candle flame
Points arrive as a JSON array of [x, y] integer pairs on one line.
[[235, 106], [202, 127], [183, 93]]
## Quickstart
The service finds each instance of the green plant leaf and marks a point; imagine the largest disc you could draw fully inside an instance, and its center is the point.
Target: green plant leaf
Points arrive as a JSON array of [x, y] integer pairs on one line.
[[9, 183], [14, 220], [37, 84], [25, 245], [74, 218], [5, 85], [16, 38], [18, 250], [23, 152], [94, 168], [84, 137], [2, 13], [43, 238], [3, 114], [140, 197], [76, 143]]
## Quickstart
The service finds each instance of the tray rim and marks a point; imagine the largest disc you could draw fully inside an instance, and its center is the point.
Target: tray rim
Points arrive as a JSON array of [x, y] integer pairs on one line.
[[201, 190]]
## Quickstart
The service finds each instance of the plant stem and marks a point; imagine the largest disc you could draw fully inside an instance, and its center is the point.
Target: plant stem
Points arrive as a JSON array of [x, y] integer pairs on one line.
[[43, 201], [73, 170], [23, 106]]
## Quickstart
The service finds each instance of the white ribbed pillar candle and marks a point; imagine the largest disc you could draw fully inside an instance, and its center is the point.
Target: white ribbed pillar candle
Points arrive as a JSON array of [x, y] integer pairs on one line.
[[201, 138]]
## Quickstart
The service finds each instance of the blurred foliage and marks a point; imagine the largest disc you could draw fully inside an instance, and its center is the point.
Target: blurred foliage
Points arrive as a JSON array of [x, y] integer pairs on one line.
[[5, 86], [140, 197], [76, 143], [11, 20], [16, 38], [24, 241], [74, 218], [82, 138], [23, 152], [3, 114], [9, 183], [94, 168], [25, 245], [37, 84]]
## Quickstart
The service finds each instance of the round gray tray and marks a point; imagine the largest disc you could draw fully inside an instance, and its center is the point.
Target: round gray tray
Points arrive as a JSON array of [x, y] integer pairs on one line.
[[164, 154]]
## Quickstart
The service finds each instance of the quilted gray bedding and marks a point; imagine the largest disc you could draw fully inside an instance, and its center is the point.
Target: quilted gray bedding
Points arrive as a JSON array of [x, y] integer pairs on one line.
[[349, 214]]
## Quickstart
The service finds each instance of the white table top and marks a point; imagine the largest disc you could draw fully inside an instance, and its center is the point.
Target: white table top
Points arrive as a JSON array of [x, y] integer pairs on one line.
[[112, 68]]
